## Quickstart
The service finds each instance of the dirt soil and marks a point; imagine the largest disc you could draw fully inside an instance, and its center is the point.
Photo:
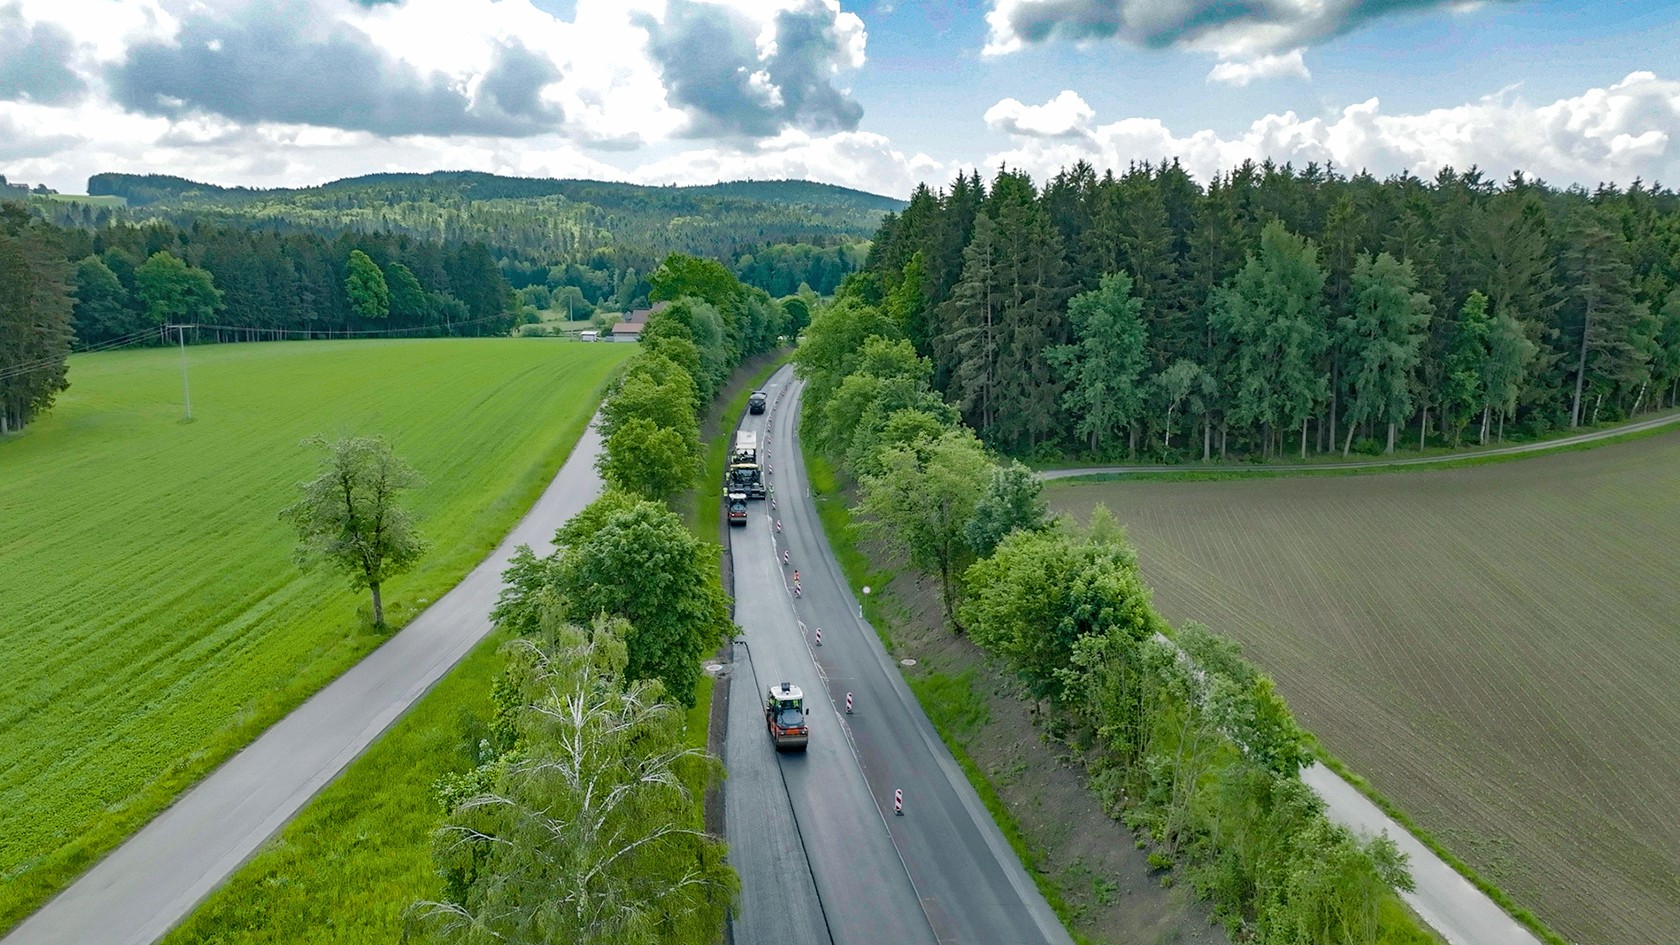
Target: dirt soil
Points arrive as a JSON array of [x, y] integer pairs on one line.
[[1494, 648], [1092, 859]]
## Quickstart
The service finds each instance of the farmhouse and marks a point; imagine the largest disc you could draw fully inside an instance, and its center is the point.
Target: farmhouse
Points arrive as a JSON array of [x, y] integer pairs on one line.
[[630, 329]]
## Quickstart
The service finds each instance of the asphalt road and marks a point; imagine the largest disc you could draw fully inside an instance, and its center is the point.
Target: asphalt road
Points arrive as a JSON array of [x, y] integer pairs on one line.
[[151, 882], [941, 873], [1519, 449]]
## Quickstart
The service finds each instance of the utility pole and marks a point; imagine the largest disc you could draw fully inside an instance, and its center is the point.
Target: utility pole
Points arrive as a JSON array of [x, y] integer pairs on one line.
[[186, 390]]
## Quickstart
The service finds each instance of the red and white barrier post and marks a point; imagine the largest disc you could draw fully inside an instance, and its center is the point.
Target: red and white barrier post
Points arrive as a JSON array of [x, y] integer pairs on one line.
[[848, 703], [819, 636], [898, 802]]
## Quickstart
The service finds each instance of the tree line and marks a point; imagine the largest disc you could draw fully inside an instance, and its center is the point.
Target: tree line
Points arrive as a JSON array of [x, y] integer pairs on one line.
[[580, 819], [1190, 745], [1281, 310], [70, 289]]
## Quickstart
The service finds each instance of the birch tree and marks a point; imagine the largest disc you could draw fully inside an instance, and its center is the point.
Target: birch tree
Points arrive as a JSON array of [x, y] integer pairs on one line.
[[584, 832]]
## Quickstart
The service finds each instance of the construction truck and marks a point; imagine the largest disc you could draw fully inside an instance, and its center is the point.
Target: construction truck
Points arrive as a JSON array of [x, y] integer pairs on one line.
[[744, 476], [784, 716]]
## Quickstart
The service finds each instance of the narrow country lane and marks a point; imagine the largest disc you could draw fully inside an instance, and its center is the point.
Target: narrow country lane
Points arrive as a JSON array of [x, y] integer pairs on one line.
[[940, 872], [1461, 913], [150, 883]]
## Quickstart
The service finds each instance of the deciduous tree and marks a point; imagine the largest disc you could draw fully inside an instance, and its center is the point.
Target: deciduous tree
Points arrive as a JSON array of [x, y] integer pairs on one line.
[[582, 833], [921, 503], [627, 557], [349, 519], [370, 296]]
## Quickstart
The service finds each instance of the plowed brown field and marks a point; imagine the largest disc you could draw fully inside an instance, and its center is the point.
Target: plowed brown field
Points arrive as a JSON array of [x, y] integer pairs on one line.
[[1496, 648]]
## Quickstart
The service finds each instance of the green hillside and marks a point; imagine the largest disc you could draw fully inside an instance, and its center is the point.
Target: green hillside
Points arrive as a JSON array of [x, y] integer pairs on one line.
[[564, 221]]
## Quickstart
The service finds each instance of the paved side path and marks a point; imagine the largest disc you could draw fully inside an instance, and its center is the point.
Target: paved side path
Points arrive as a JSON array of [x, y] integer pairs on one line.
[[151, 882], [1463, 914], [1517, 450]]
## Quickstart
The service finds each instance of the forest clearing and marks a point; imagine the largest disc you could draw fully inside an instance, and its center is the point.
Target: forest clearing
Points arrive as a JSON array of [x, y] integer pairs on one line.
[[1491, 647], [151, 631]]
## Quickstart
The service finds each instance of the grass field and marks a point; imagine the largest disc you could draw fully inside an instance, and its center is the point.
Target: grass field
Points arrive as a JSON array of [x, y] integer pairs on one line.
[[152, 619], [345, 869], [1493, 647]]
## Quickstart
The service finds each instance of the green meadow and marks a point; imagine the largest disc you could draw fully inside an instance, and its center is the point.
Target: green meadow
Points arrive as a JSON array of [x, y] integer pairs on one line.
[[151, 619]]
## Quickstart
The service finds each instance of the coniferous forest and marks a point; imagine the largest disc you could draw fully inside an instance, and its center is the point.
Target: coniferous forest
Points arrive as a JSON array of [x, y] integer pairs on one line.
[[1282, 312]]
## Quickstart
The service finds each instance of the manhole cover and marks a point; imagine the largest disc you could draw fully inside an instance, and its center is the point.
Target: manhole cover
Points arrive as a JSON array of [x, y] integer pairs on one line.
[[906, 662], [712, 669]]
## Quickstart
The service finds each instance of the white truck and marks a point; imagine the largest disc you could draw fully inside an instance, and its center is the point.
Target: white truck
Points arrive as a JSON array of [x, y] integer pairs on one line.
[[744, 475]]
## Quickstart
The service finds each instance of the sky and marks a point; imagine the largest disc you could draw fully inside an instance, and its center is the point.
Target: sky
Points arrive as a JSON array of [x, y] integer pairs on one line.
[[875, 95]]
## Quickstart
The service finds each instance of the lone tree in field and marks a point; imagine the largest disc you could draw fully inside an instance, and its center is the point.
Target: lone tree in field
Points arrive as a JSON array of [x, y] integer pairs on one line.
[[348, 516]]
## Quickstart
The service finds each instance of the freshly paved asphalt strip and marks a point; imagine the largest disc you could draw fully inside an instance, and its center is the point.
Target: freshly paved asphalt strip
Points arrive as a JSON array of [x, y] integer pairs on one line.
[[1460, 912], [1519, 449], [940, 872], [779, 904], [816, 862], [151, 882]]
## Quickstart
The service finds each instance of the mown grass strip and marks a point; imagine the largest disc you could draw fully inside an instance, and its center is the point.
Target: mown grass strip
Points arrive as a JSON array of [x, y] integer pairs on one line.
[[346, 868], [950, 702], [154, 621]]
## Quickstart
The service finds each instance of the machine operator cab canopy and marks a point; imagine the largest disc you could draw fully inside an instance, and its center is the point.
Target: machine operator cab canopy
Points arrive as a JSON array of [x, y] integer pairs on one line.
[[784, 715]]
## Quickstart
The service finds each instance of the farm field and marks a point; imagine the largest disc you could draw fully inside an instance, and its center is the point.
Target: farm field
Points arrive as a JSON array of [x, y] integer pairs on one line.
[[151, 618], [1494, 648]]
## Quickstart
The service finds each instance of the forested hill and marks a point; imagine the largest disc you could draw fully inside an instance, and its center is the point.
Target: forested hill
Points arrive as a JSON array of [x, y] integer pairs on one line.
[[596, 236], [562, 220], [140, 189]]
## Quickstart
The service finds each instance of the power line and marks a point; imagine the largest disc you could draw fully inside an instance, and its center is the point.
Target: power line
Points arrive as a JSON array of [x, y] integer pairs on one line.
[[161, 333]]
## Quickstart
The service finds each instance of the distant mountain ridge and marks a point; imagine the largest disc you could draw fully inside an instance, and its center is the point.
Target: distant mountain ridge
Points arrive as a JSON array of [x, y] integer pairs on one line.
[[534, 224], [145, 189]]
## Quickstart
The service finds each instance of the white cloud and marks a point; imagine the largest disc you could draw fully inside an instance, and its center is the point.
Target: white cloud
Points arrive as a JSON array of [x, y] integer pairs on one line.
[[1605, 134], [1252, 40], [857, 159], [1272, 66], [1066, 115]]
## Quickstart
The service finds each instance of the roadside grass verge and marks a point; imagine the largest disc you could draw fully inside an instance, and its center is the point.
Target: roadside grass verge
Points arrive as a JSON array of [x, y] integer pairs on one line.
[[347, 867], [956, 710], [949, 701], [843, 537], [702, 514], [154, 620]]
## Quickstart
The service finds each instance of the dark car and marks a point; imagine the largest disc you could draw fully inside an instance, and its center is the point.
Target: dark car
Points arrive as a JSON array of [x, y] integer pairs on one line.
[[755, 403]]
